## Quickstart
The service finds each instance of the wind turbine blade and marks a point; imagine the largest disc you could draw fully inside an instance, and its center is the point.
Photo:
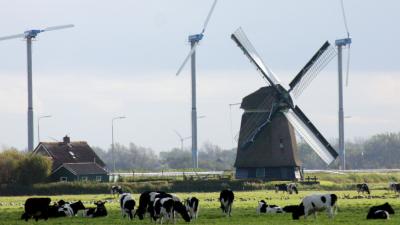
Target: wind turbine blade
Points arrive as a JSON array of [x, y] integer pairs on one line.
[[243, 42], [187, 58], [12, 37], [58, 27], [177, 133], [311, 135], [348, 65], [209, 16]]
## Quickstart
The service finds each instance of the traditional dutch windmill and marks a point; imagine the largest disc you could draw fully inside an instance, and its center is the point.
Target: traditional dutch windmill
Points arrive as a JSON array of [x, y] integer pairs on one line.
[[267, 144]]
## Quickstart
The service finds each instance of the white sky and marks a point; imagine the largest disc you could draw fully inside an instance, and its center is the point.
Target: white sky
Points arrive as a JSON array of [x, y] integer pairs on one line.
[[122, 56]]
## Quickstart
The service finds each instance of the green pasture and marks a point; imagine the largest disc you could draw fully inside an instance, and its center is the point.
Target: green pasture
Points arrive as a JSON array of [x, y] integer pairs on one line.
[[352, 209]]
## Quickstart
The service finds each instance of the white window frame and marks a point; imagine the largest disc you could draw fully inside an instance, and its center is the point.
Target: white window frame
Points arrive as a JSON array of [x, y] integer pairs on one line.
[[84, 178], [99, 178], [63, 179]]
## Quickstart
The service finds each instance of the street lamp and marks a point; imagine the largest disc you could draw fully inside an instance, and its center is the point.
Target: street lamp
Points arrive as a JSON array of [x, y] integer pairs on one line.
[[112, 138], [38, 125]]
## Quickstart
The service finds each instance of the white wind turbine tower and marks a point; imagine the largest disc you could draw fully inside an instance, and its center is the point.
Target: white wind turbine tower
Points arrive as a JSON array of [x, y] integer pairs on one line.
[[29, 35], [194, 42]]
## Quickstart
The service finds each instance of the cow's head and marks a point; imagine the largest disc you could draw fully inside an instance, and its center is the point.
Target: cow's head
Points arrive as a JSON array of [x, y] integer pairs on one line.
[[297, 212], [181, 209], [388, 208]]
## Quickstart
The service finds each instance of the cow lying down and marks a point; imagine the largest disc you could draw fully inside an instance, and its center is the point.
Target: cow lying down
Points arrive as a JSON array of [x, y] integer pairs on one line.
[[314, 203], [98, 211], [263, 207], [380, 211]]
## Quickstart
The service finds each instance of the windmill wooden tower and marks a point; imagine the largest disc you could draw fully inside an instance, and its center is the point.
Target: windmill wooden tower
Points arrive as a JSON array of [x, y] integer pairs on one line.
[[267, 144]]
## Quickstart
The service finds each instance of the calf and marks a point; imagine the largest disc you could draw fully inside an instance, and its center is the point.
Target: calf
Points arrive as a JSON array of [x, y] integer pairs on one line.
[[363, 188], [263, 207], [292, 188], [289, 188], [70, 209], [36, 208], [98, 211], [116, 189], [380, 211], [192, 206], [226, 198], [127, 204], [314, 203]]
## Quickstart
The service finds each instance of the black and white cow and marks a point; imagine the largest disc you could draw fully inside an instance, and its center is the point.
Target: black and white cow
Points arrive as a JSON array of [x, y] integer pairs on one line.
[[36, 208], [226, 198], [163, 209], [70, 209], [116, 190], [395, 187], [263, 207], [98, 211], [181, 209], [192, 206], [127, 204], [146, 202], [54, 209], [314, 203], [363, 188], [380, 211], [289, 188]]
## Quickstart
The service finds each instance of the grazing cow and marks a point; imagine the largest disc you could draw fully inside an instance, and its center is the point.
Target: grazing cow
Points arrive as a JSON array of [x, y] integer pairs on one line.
[[226, 198], [36, 208], [146, 202], [380, 211], [363, 188], [290, 208], [116, 189], [395, 187], [98, 211], [289, 188], [163, 208], [192, 206], [127, 204], [71, 209], [263, 207], [378, 214], [314, 203]]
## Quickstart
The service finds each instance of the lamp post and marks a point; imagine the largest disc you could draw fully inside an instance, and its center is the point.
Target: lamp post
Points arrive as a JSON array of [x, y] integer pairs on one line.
[[38, 125], [112, 138]]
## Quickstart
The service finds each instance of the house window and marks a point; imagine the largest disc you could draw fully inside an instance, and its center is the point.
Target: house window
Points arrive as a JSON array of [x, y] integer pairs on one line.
[[63, 179], [260, 172], [84, 178], [98, 178]]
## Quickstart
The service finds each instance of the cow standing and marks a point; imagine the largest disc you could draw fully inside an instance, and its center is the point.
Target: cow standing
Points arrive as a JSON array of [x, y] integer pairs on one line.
[[98, 211], [127, 204], [363, 188], [192, 206], [314, 203], [226, 198], [380, 211], [288, 188], [36, 208]]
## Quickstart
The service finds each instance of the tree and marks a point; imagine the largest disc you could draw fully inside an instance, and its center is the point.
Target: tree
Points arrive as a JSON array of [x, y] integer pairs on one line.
[[34, 169], [9, 165]]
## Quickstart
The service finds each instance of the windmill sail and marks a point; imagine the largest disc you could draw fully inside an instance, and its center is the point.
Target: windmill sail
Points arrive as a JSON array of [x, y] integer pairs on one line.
[[243, 42], [320, 59], [311, 135]]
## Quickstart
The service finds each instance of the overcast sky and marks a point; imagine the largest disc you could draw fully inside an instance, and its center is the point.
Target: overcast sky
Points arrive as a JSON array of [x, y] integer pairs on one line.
[[121, 58]]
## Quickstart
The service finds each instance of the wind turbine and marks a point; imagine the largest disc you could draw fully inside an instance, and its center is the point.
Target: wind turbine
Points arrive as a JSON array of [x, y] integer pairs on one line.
[[194, 42], [181, 139], [29, 35]]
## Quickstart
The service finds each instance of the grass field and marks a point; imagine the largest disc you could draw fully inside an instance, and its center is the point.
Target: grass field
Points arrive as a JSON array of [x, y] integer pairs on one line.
[[351, 211]]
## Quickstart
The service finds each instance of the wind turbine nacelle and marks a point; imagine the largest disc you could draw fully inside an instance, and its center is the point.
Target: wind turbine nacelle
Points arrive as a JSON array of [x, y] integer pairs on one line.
[[343, 42], [195, 37], [32, 33]]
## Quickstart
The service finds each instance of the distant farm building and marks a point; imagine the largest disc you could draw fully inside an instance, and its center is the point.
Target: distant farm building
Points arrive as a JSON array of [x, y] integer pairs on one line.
[[73, 161]]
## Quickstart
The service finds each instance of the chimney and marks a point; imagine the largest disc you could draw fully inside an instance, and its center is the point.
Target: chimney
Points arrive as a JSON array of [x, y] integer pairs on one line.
[[66, 139]]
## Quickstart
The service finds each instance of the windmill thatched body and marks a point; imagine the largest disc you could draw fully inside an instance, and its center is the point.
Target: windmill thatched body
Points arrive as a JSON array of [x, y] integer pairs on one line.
[[273, 155]]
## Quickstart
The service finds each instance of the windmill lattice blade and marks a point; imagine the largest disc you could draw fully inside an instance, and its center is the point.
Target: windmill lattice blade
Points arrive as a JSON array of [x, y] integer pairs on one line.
[[243, 42], [209, 16], [58, 27], [12, 37], [307, 74], [311, 135], [187, 58]]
